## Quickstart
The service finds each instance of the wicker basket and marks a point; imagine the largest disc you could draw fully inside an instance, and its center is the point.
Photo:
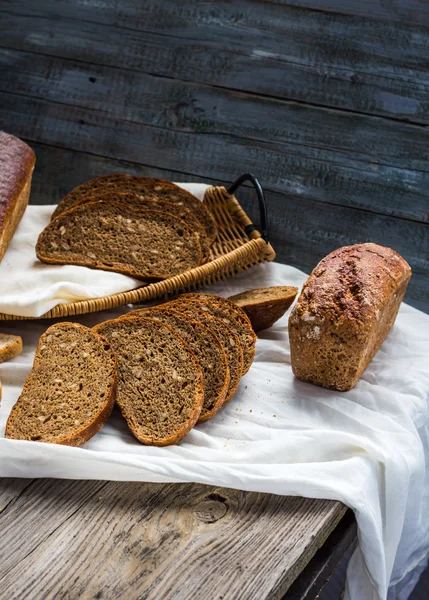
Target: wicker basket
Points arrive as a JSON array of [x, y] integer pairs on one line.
[[239, 246]]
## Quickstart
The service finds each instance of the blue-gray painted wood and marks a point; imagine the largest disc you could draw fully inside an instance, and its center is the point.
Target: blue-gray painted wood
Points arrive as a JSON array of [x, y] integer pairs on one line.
[[354, 63]]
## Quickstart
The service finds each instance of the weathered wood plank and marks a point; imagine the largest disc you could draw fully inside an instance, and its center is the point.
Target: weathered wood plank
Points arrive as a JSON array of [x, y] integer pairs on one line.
[[38, 511], [169, 541], [299, 170], [409, 11], [10, 489], [320, 58], [330, 135], [302, 231]]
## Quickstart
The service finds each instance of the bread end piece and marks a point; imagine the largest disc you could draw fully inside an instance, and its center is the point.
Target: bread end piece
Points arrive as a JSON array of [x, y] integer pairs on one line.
[[265, 306], [10, 346], [344, 313], [17, 162]]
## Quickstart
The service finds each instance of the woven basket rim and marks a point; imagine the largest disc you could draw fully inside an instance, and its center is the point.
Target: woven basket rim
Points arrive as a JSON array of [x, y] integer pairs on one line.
[[253, 251]]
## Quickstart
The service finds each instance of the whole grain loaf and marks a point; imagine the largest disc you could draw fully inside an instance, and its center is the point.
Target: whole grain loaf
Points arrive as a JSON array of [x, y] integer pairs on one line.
[[207, 349], [10, 346], [233, 316], [111, 236], [345, 311], [265, 306], [150, 188], [70, 391], [17, 161], [227, 337], [160, 390]]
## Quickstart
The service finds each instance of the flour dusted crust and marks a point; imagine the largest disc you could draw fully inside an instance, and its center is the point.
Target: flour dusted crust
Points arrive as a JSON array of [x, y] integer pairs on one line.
[[344, 313], [16, 168]]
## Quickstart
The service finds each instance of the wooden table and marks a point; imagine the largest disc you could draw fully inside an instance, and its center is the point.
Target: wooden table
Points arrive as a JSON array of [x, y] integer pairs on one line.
[[327, 103]]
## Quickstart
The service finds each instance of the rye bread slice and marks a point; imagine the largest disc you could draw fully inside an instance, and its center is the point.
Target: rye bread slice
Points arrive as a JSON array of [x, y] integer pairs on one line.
[[265, 306], [227, 337], [160, 389], [233, 316], [70, 391], [118, 182], [10, 346], [148, 203], [156, 189], [111, 236], [207, 349]]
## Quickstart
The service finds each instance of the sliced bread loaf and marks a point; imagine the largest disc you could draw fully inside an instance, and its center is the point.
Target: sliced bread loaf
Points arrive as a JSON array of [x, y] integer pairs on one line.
[[265, 306], [70, 391], [155, 189], [10, 346], [115, 237], [118, 182], [160, 390], [207, 349], [233, 316], [140, 202], [227, 337]]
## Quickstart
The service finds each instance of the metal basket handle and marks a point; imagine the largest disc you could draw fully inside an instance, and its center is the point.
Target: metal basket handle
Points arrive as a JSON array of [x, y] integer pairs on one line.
[[261, 201]]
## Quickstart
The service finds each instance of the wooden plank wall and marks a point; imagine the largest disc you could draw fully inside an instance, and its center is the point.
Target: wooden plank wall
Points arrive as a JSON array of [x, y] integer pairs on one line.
[[326, 102]]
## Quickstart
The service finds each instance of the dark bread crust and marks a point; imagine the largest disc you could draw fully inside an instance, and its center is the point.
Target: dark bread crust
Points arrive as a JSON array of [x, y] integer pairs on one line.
[[344, 313], [186, 426], [97, 185], [17, 162], [265, 306], [131, 183], [233, 351], [46, 254], [83, 435], [233, 315]]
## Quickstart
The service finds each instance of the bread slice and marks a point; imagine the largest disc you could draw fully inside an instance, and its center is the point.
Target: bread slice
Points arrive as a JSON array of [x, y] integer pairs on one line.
[[160, 391], [233, 316], [10, 346], [70, 391], [155, 189], [16, 169], [265, 306], [207, 349], [119, 182], [148, 203], [227, 337], [111, 236]]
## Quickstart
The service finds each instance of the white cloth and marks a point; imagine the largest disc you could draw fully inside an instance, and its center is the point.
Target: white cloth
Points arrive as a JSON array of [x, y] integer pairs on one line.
[[30, 288], [366, 448]]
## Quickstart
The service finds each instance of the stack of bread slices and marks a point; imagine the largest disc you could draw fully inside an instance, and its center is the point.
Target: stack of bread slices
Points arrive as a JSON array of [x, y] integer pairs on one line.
[[167, 368], [147, 228]]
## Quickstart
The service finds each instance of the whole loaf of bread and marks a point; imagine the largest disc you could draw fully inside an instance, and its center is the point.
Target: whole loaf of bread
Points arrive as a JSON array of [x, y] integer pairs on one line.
[[16, 169], [345, 311]]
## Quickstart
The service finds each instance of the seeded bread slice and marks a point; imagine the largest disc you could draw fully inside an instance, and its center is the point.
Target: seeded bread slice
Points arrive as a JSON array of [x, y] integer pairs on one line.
[[119, 182], [10, 346], [114, 237], [155, 189], [207, 349], [233, 316], [227, 337], [265, 306], [70, 391], [148, 203], [160, 390]]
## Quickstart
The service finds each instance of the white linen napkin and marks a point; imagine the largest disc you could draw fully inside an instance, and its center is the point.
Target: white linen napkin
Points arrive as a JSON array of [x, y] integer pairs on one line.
[[367, 447], [30, 288]]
